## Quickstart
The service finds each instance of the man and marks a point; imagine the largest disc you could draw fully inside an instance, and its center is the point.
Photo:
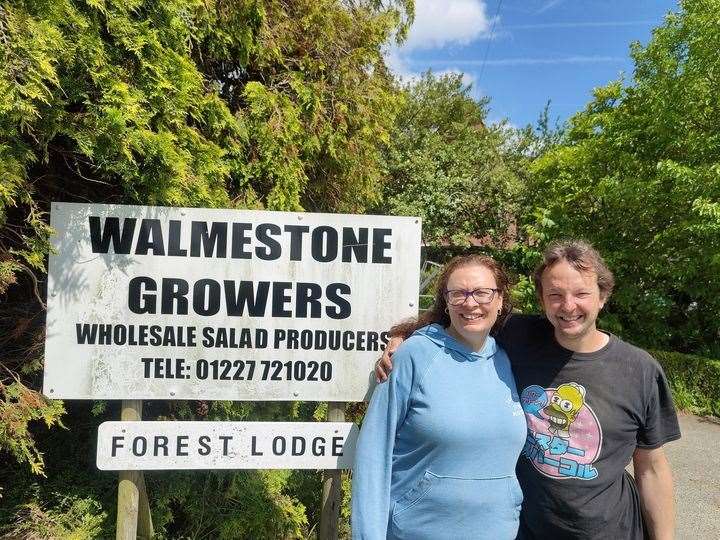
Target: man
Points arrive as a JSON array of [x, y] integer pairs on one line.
[[592, 402]]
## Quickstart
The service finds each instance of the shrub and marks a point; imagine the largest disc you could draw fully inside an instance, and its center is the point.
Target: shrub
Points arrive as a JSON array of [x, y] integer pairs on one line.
[[72, 517], [695, 381]]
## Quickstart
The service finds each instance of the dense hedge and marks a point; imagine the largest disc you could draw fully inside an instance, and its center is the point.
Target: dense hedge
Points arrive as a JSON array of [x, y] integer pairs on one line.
[[695, 381]]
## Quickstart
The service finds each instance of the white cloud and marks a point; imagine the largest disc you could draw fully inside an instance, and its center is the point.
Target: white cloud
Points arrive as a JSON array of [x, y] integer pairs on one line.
[[402, 70], [399, 64], [439, 23]]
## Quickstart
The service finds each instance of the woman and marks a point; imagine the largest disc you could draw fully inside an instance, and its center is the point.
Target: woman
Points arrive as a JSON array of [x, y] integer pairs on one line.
[[437, 452]]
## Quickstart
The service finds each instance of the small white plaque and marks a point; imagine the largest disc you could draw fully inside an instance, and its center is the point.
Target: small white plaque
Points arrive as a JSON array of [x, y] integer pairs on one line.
[[124, 446]]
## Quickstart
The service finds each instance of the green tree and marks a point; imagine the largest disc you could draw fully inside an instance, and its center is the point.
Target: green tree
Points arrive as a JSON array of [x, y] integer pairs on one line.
[[445, 164], [638, 173], [245, 104]]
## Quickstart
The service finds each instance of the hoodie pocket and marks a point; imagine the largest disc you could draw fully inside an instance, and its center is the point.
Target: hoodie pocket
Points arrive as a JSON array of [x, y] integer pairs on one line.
[[453, 507], [415, 494]]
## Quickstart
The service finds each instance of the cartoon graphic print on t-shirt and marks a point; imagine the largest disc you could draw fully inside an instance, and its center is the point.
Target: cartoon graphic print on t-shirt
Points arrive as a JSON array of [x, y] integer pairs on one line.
[[564, 436]]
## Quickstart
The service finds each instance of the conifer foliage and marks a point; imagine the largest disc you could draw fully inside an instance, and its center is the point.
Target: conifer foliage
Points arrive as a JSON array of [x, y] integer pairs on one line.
[[216, 103]]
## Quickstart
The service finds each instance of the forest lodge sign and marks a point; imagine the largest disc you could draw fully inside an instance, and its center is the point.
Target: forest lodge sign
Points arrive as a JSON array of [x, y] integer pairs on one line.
[[179, 303], [226, 445]]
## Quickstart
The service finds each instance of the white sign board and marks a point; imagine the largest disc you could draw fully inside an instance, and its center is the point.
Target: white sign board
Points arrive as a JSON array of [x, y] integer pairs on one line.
[[180, 303], [124, 446]]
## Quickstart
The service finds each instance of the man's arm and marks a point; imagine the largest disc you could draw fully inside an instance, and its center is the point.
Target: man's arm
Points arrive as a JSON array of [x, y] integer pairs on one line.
[[655, 484]]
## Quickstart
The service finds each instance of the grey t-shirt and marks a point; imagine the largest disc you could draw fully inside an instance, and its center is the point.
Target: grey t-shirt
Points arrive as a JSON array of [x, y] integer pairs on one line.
[[586, 414]]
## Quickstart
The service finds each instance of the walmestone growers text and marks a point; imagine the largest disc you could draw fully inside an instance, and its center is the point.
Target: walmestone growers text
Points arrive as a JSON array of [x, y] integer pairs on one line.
[[265, 241]]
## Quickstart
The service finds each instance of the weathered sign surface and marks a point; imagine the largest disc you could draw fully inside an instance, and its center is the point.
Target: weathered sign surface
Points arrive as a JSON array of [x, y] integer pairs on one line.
[[225, 445], [172, 303]]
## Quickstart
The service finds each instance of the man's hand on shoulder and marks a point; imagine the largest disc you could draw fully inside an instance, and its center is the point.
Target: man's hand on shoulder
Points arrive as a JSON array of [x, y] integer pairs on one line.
[[384, 365]]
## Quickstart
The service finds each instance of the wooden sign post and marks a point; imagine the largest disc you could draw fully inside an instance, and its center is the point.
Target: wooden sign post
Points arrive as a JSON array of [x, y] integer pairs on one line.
[[332, 485], [133, 512]]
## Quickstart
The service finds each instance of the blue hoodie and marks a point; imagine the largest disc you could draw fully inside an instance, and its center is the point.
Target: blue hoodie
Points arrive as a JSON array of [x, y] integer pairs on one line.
[[437, 450]]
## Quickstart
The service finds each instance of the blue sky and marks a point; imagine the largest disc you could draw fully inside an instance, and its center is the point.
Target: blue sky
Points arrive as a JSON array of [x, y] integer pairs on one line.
[[537, 50]]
